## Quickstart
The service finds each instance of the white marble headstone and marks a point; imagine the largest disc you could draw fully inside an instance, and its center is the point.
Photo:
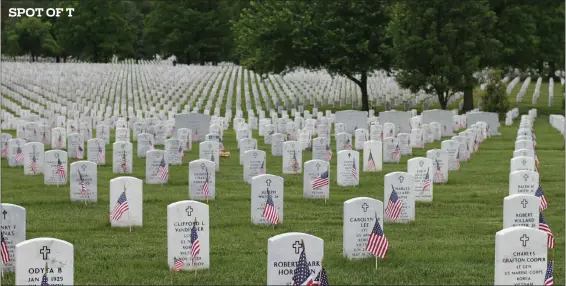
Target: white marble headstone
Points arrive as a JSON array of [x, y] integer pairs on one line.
[[360, 215], [316, 180], [422, 170], [14, 229], [32, 256], [133, 190], [202, 180], [403, 185], [521, 210], [260, 187]]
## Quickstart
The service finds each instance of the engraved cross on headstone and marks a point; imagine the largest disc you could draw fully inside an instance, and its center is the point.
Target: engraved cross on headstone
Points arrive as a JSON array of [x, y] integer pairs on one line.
[[4, 212], [189, 210], [365, 207], [317, 166], [524, 202], [45, 252], [401, 179], [297, 246], [524, 240], [349, 155], [268, 182], [526, 177]]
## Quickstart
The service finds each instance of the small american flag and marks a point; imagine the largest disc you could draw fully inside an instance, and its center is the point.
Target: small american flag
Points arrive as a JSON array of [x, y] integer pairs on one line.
[[321, 278], [328, 153], [548, 277], [195, 138], [205, 186], [427, 183], [195, 249], [394, 205], [476, 144], [121, 206], [542, 225], [468, 155], [269, 211], [33, 164], [262, 167], [543, 202], [377, 242], [84, 191], [221, 143], [396, 153], [60, 169], [320, 181], [457, 159], [295, 163], [19, 155], [348, 144], [163, 170], [5, 149], [371, 162], [79, 152], [303, 274], [422, 140], [354, 170], [179, 263], [438, 175], [59, 142], [100, 156], [5, 252], [181, 153], [124, 163]]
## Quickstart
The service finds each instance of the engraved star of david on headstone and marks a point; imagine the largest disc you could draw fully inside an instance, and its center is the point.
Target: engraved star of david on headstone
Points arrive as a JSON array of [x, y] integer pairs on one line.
[[83, 167], [209, 145], [401, 179]]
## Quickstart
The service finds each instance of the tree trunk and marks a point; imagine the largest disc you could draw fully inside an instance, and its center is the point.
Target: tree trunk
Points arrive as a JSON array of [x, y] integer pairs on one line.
[[443, 104], [468, 98], [442, 99], [363, 83], [57, 59]]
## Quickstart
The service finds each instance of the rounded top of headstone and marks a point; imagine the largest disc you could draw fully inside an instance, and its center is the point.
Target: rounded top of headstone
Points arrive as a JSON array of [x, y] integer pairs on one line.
[[181, 203], [290, 234]]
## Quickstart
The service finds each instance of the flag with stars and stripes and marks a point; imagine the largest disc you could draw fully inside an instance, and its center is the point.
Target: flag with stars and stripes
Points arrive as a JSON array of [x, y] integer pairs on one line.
[[394, 205], [321, 278], [302, 275], [205, 186], [348, 144], [60, 169], [354, 170], [195, 244], [295, 163], [100, 155], [328, 153], [476, 144], [262, 167], [84, 191], [549, 276], [59, 142], [80, 152], [5, 150], [377, 242], [33, 164], [179, 263], [121, 206], [124, 163], [163, 170], [371, 162], [19, 155], [181, 153], [320, 181], [4, 248], [269, 210], [457, 159], [396, 153], [427, 183], [44, 280], [543, 202], [542, 225]]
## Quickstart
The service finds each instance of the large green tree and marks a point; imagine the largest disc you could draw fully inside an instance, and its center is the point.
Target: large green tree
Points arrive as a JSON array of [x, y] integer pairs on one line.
[[30, 36], [195, 31], [347, 38], [438, 45]]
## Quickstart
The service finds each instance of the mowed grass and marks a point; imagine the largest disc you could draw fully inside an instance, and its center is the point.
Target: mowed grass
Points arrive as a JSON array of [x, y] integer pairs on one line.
[[451, 241]]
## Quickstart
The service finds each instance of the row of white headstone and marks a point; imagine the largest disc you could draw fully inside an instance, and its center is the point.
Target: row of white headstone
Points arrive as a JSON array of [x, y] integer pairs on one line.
[[521, 247]]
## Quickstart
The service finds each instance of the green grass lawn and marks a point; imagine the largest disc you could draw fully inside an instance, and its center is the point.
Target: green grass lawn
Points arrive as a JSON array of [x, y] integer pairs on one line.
[[451, 242]]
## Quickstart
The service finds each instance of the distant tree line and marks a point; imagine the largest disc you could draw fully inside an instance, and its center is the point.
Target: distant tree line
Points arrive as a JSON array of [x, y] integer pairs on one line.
[[436, 46]]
